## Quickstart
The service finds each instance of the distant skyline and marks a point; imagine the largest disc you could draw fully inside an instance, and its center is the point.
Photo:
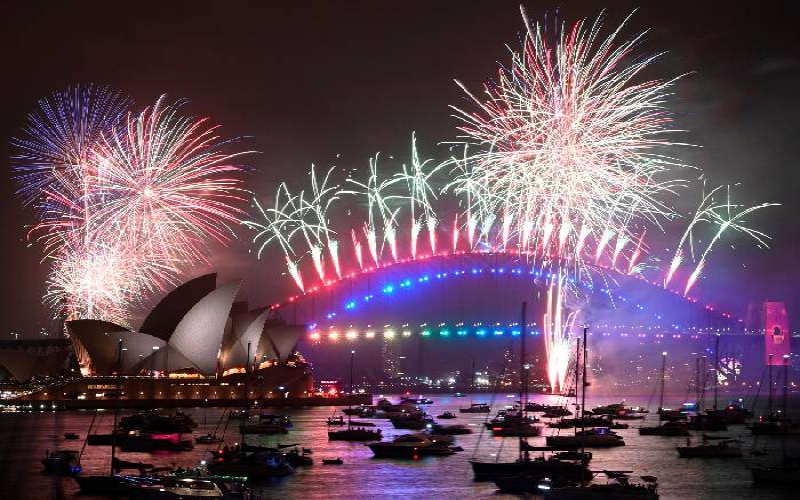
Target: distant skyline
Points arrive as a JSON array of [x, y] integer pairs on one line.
[[335, 83]]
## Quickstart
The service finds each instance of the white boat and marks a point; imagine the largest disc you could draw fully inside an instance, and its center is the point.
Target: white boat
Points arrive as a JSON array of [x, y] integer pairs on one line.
[[174, 488]]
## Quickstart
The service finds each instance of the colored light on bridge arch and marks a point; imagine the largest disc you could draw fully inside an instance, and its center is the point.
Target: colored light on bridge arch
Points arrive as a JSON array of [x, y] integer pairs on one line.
[[314, 335], [444, 333], [515, 333], [425, 333], [370, 334], [351, 335], [498, 332], [481, 332], [333, 336], [461, 333], [388, 334], [388, 289], [406, 333]]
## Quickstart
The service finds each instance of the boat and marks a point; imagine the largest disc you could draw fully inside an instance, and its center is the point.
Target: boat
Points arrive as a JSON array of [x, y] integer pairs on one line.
[[556, 412], [450, 430], [154, 421], [666, 429], [733, 413], [447, 415], [599, 437], [355, 433], [265, 428], [362, 423], [476, 408], [416, 401], [257, 465], [535, 407], [412, 422], [410, 446], [588, 421], [281, 420], [336, 420], [62, 462], [240, 414], [176, 488], [333, 461], [517, 429], [723, 449], [207, 439], [71, 436], [110, 485], [618, 487]]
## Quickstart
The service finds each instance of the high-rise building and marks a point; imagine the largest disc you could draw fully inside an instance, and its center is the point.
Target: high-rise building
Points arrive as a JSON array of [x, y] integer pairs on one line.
[[390, 357]]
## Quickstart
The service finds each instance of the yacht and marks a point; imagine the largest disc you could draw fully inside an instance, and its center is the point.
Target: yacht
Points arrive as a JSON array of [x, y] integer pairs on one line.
[[447, 415], [355, 434], [416, 401], [551, 467], [676, 428], [336, 420], [410, 446], [599, 437], [723, 449], [476, 408], [618, 487], [174, 488], [256, 465], [207, 439], [413, 422]]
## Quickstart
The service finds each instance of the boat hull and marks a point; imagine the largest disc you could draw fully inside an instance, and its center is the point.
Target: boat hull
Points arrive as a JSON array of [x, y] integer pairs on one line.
[[487, 471]]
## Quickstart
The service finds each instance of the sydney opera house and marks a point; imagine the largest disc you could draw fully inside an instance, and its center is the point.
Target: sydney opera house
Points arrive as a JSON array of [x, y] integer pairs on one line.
[[198, 343]]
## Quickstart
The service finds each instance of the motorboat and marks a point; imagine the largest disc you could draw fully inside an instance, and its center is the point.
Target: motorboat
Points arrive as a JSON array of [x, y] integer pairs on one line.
[[62, 462], [71, 436], [355, 434], [207, 439], [450, 430], [556, 412], [281, 420], [598, 437], [333, 461], [336, 420], [240, 414], [410, 446], [257, 465], [136, 440], [413, 422], [154, 421], [587, 421], [107, 485], [447, 415], [540, 467], [476, 408], [733, 413], [176, 488], [676, 428], [723, 449], [416, 401], [774, 427], [618, 487]]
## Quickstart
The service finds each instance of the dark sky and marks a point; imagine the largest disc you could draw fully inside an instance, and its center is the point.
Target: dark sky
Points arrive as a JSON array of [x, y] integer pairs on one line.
[[310, 80]]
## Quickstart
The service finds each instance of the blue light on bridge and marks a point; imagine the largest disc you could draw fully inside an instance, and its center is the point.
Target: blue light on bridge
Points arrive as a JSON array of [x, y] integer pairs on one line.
[[444, 333], [515, 333], [481, 332], [461, 333], [388, 289], [350, 305], [498, 332]]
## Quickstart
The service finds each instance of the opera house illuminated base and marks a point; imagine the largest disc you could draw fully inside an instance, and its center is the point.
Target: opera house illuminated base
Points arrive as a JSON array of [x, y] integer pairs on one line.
[[197, 347]]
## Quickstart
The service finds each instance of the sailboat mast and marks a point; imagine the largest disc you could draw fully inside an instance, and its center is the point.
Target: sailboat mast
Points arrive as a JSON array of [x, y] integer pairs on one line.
[[716, 371], [116, 408], [785, 402], [523, 389], [577, 376], [663, 376], [583, 395], [769, 395], [350, 399]]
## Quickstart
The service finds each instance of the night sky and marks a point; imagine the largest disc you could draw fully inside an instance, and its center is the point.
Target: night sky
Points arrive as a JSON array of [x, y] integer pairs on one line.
[[307, 81]]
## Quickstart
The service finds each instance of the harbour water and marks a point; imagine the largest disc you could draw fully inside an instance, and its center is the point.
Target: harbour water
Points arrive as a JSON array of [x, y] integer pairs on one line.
[[25, 438]]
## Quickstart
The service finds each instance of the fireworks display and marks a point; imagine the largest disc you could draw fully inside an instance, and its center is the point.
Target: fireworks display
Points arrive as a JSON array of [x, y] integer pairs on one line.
[[565, 160], [124, 200]]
